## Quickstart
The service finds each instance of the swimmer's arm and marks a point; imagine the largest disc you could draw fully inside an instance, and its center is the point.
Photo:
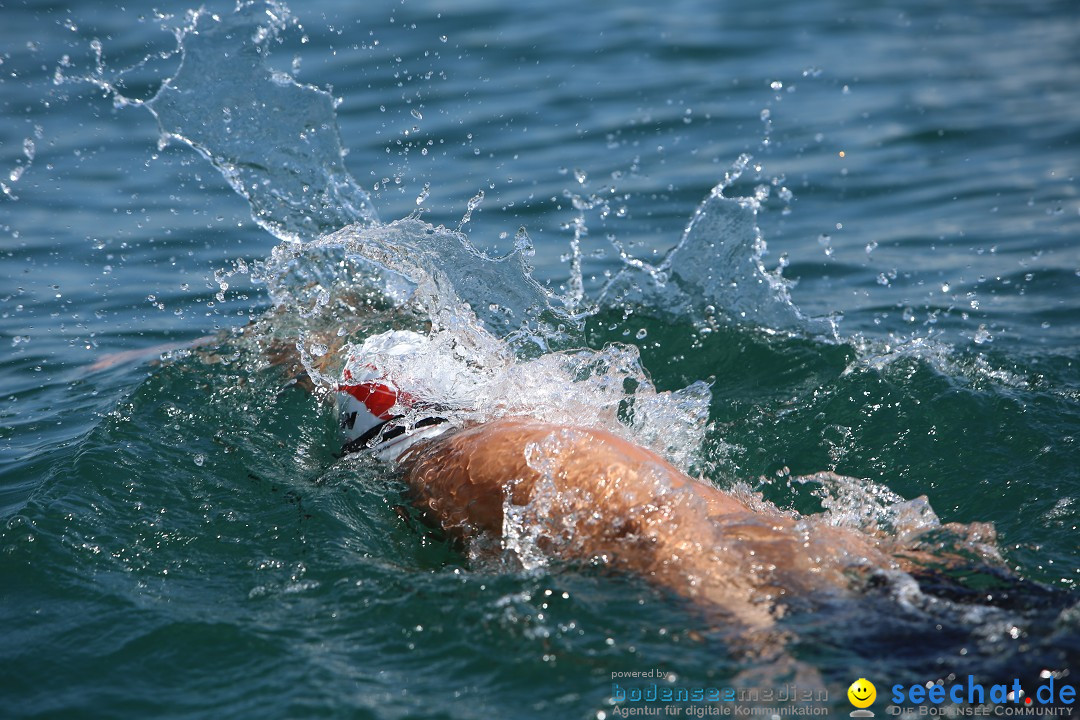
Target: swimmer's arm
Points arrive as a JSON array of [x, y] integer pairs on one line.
[[143, 354], [284, 354]]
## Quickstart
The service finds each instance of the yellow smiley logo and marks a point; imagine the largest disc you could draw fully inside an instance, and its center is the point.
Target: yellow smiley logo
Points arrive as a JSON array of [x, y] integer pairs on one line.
[[862, 693]]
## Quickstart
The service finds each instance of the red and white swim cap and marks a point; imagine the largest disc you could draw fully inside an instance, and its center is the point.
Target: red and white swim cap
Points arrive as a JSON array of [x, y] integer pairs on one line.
[[367, 399]]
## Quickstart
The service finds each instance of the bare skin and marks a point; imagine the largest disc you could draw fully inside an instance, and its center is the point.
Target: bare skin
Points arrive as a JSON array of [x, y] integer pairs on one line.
[[143, 354], [588, 495]]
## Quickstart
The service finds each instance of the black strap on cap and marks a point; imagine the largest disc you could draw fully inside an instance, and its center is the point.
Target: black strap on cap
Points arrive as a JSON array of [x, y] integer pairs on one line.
[[363, 442]]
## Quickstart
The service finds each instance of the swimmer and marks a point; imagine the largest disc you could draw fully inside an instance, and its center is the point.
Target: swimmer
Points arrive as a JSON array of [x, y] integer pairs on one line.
[[590, 496]]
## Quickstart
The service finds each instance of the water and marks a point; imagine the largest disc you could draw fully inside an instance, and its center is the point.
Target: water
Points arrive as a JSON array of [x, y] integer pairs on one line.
[[180, 538]]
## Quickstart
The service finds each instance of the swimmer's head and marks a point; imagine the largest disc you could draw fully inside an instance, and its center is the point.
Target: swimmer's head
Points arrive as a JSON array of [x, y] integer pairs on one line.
[[365, 396]]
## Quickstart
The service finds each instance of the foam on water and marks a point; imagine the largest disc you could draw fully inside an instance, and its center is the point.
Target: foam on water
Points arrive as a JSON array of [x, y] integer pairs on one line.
[[456, 285]]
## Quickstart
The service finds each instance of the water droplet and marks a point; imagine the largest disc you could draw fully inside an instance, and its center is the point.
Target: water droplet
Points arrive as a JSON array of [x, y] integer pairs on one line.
[[416, 114], [826, 242], [423, 194], [474, 203], [199, 459], [522, 242], [642, 334]]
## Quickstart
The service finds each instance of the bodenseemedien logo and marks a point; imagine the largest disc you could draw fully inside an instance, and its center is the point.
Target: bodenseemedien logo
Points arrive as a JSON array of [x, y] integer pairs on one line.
[[861, 694]]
